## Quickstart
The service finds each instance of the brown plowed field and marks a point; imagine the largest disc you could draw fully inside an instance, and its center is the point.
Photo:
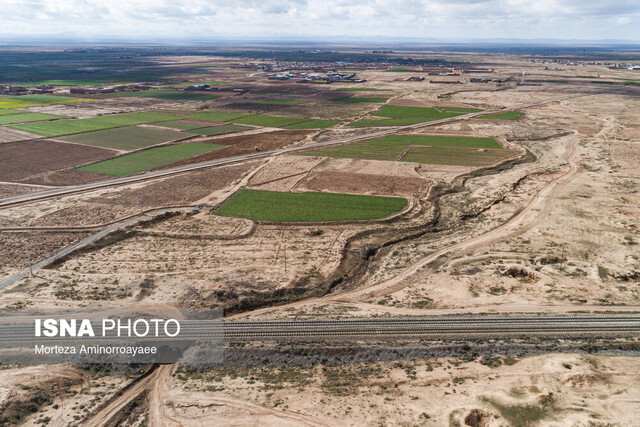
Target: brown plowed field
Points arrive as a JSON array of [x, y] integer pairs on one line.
[[31, 161], [244, 144], [64, 177], [181, 189], [346, 182]]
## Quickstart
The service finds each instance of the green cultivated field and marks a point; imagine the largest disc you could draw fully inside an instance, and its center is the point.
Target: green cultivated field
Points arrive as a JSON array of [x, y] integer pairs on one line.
[[25, 117], [281, 101], [314, 124], [170, 95], [446, 150], [8, 112], [308, 207], [440, 141], [448, 156], [125, 138], [68, 127], [390, 122], [269, 121], [374, 100], [148, 159], [180, 125], [219, 130], [52, 99], [508, 115], [217, 116], [36, 100], [16, 103], [401, 116]]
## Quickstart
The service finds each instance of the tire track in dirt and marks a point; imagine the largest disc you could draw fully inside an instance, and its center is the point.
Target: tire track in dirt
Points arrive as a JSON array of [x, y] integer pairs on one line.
[[158, 415], [109, 412]]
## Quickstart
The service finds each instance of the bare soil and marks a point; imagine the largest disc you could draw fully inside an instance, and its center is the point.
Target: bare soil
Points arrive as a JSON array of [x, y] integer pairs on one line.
[[244, 144], [559, 389], [346, 182], [33, 161]]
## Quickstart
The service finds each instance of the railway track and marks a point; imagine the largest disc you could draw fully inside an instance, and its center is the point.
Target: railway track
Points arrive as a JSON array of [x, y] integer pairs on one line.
[[397, 328]]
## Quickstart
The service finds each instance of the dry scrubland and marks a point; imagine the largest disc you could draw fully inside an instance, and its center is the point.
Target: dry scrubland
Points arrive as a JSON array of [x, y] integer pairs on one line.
[[562, 389]]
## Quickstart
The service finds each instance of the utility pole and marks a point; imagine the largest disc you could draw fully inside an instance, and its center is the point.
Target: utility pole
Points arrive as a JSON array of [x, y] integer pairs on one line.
[[140, 201], [285, 257], [28, 249]]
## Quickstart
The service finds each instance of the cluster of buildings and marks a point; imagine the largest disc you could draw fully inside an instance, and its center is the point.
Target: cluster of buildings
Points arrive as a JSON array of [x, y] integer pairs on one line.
[[327, 77], [110, 89], [205, 87], [608, 64], [280, 67], [21, 90]]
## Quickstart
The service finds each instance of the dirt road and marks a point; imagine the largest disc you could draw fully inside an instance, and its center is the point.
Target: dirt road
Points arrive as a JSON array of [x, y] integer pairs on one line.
[[104, 415]]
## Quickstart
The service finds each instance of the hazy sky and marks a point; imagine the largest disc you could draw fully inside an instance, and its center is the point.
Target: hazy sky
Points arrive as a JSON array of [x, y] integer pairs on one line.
[[440, 19]]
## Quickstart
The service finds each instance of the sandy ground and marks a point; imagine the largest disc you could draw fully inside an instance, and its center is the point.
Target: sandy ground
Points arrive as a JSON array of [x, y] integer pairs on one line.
[[561, 389], [63, 394]]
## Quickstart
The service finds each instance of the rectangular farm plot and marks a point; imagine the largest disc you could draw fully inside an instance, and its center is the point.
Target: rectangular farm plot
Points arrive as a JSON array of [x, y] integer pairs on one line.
[[9, 112], [313, 124], [217, 116], [359, 99], [148, 159], [170, 95], [23, 160], [26, 117], [35, 100], [444, 150], [395, 115], [455, 156], [281, 101], [126, 138], [68, 127], [219, 130], [269, 121], [507, 115], [182, 125], [16, 103], [277, 206], [441, 141]]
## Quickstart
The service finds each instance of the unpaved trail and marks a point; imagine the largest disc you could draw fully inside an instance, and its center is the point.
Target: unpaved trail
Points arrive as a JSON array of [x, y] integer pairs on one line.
[[156, 398], [160, 416], [244, 413], [104, 415]]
